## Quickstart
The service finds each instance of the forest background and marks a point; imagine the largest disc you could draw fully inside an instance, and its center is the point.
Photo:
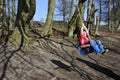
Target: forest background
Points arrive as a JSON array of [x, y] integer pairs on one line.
[[47, 47]]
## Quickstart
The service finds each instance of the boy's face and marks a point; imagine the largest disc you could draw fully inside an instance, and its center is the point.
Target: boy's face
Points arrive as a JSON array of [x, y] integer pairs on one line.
[[84, 32]]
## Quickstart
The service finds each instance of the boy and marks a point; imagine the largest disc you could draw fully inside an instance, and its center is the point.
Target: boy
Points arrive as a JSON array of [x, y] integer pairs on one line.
[[87, 45]]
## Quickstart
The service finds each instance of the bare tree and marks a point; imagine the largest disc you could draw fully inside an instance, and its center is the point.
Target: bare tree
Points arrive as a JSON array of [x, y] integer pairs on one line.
[[1, 19], [26, 10], [76, 21], [48, 28], [13, 15], [63, 9], [109, 9], [1, 10], [118, 14], [91, 14], [118, 25], [97, 25], [71, 9]]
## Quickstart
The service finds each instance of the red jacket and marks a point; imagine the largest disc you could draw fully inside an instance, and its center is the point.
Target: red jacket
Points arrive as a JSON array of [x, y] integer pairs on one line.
[[84, 40]]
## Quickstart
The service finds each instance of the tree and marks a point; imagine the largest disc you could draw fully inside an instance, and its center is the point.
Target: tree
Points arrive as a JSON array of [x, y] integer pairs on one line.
[[48, 28], [64, 9], [90, 14], [5, 28], [117, 14], [109, 10], [7, 18], [26, 10], [1, 10], [97, 25], [76, 21], [118, 25], [12, 25], [71, 9], [1, 17]]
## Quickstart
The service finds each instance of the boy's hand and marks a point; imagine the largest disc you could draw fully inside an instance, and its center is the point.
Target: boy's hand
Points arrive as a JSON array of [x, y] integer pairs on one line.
[[85, 46], [83, 24]]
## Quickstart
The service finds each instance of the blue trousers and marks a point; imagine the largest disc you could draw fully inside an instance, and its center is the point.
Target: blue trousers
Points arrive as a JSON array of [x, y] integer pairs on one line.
[[94, 46], [97, 46]]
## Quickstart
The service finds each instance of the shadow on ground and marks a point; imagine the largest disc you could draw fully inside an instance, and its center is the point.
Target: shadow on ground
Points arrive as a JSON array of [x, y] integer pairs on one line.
[[101, 69]]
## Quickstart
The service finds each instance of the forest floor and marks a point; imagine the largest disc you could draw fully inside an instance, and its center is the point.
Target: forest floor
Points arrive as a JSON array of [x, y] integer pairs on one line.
[[59, 59]]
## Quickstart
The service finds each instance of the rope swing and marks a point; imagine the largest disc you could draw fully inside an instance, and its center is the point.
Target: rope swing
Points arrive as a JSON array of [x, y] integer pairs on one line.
[[79, 12]]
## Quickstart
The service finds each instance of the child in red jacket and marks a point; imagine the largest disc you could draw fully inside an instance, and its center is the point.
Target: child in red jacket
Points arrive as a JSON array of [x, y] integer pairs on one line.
[[87, 45], [84, 38]]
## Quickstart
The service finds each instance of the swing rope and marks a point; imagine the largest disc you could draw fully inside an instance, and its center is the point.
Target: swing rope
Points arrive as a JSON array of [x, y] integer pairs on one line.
[[79, 12]]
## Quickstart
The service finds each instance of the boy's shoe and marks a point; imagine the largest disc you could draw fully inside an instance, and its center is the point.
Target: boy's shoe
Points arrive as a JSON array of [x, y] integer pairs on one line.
[[105, 51]]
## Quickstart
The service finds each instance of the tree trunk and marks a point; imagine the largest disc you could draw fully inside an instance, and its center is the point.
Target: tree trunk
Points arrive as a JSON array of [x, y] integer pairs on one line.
[[117, 14], [1, 18], [97, 25], [71, 9], [1, 10], [91, 15], [5, 24], [113, 17], [100, 3], [110, 15], [12, 25], [26, 10], [80, 18], [76, 19], [118, 25], [8, 17], [48, 28], [4, 13], [88, 11], [13, 10]]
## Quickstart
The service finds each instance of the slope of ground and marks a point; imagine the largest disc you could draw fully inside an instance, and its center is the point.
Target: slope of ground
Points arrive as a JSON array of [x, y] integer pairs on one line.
[[59, 59]]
